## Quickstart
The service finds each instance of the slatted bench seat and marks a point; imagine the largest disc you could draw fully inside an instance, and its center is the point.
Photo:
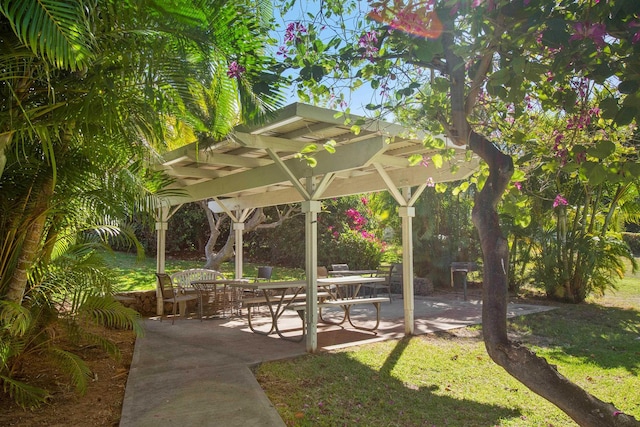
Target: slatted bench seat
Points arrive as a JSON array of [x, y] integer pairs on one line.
[[345, 304]]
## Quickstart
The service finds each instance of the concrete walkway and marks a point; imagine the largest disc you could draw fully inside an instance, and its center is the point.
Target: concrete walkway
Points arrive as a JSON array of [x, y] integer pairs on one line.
[[197, 373]]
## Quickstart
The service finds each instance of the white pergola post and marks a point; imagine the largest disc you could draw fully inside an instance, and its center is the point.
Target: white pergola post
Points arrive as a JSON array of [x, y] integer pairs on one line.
[[407, 213], [161, 234], [238, 228], [311, 209]]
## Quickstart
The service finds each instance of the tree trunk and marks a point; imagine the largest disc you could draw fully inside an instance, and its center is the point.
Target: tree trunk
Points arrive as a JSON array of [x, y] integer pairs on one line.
[[533, 371], [5, 142], [227, 252], [214, 259], [31, 244]]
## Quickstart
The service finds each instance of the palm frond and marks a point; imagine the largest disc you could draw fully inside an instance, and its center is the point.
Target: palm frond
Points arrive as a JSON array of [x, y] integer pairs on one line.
[[73, 365], [25, 395], [106, 311], [56, 30], [14, 318]]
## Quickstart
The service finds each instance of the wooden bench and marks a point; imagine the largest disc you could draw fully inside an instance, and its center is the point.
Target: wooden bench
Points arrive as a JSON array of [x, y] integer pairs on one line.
[[345, 304]]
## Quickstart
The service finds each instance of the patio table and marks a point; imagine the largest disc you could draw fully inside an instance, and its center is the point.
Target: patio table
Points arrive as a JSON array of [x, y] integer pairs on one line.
[[208, 286]]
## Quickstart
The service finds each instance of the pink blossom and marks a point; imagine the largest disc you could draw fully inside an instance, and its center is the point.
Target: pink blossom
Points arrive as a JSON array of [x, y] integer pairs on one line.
[[636, 37], [558, 139], [364, 201], [518, 185], [587, 30], [559, 201], [235, 70], [293, 31], [425, 161], [282, 50], [368, 42], [430, 182]]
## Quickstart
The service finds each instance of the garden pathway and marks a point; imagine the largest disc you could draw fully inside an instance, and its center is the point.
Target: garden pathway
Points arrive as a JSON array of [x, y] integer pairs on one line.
[[197, 373]]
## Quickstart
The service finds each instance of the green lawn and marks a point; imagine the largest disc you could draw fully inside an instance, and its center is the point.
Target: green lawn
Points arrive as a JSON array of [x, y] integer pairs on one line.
[[448, 379], [131, 274]]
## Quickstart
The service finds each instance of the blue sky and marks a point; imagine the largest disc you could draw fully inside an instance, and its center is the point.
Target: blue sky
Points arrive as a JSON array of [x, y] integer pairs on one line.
[[300, 12]]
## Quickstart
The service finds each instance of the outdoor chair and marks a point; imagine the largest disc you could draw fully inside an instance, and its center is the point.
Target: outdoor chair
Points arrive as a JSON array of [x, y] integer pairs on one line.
[[386, 285], [340, 267], [322, 272], [264, 273], [173, 295]]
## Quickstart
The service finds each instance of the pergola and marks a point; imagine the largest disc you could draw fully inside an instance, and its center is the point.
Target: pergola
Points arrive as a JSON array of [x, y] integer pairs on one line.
[[259, 166]]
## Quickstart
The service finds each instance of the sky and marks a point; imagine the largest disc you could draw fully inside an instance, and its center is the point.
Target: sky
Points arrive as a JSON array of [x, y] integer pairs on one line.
[[357, 100]]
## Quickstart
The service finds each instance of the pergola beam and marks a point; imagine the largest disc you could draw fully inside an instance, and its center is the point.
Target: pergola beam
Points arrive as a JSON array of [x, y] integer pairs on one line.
[[368, 183], [351, 156]]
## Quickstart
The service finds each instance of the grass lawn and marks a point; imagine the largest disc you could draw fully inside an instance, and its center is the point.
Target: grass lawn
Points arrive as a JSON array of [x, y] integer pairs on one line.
[[131, 274], [448, 380]]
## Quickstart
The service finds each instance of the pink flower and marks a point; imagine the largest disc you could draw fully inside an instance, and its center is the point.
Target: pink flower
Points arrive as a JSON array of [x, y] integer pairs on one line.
[[293, 31], [587, 30], [235, 70], [560, 201], [518, 185], [368, 42], [636, 37], [430, 182], [425, 162], [364, 201]]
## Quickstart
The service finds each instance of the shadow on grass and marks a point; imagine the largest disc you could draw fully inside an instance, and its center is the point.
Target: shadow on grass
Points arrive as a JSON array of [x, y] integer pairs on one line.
[[333, 389], [606, 336]]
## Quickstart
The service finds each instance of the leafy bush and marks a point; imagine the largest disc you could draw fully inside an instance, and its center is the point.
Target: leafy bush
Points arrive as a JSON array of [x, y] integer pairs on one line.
[[594, 265], [633, 240], [360, 251]]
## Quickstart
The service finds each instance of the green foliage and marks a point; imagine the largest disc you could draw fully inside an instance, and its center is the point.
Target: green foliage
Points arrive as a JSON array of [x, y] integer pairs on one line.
[[443, 233], [57, 30], [350, 230], [90, 90], [352, 248], [572, 269], [633, 240], [38, 328]]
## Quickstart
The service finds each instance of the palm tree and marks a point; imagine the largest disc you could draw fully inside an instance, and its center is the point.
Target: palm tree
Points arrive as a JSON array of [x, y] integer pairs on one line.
[[89, 89], [147, 62]]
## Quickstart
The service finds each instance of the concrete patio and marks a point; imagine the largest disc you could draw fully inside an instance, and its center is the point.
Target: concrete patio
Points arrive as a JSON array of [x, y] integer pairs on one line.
[[198, 373]]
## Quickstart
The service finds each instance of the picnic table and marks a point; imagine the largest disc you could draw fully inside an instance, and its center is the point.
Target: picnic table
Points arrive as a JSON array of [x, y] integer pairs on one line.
[[279, 296]]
